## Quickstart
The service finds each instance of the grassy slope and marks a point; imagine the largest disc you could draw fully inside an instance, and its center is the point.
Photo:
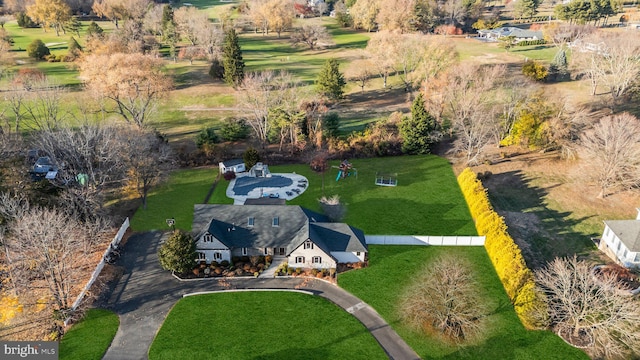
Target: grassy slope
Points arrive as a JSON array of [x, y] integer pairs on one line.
[[262, 325], [381, 285], [90, 338]]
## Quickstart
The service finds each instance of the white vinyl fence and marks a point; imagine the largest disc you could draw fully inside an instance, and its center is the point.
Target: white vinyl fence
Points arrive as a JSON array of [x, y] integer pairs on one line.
[[424, 240], [114, 245]]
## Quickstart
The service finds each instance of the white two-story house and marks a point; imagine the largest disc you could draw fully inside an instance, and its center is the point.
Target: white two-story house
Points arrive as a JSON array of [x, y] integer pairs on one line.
[[304, 237], [621, 241]]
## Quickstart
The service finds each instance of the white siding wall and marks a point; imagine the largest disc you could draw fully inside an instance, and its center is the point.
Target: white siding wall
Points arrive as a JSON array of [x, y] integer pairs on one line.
[[425, 240], [210, 255], [327, 261]]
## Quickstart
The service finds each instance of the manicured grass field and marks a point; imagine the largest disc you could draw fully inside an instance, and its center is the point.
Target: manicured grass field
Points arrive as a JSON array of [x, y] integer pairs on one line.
[[175, 199], [262, 325], [381, 285], [427, 200], [90, 338]]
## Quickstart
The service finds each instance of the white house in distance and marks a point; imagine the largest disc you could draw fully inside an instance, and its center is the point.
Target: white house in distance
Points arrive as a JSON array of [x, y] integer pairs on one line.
[[306, 239], [517, 33], [621, 241], [235, 165]]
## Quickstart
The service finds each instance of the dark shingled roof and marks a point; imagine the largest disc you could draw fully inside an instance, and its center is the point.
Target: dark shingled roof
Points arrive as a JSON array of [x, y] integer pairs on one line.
[[628, 231], [232, 162], [229, 224]]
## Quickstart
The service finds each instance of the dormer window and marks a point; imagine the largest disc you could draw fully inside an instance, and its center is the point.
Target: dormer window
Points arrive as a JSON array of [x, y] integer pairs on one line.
[[308, 245], [250, 221], [275, 222], [207, 238]]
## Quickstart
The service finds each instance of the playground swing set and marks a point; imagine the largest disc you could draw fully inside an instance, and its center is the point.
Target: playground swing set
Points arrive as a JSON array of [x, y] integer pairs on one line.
[[345, 169]]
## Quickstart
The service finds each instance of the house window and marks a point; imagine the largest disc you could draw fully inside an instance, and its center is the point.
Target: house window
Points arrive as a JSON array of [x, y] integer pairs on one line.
[[202, 256], [316, 260], [624, 255], [358, 253], [299, 259], [308, 245], [606, 231], [637, 259], [208, 238], [244, 251], [266, 251], [250, 222], [619, 245], [217, 255], [276, 222]]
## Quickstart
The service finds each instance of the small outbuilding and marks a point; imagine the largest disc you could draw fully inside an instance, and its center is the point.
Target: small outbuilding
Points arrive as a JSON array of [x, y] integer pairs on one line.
[[234, 165]]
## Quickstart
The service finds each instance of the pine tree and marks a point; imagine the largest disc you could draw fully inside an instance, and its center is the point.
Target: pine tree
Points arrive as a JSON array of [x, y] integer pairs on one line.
[[178, 253], [417, 131], [232, 59], [330, 81], [559, 67]]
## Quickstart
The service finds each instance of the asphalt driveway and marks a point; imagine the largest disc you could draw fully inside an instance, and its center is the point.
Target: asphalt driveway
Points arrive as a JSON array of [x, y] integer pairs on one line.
[[145, 294]]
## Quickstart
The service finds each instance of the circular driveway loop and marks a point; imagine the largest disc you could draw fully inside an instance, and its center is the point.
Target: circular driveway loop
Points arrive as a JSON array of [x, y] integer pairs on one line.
[[145, 294]]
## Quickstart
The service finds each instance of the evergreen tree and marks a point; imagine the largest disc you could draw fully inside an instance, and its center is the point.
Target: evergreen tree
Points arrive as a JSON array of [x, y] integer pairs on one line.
[[417, 131], [94, 29], [178, 253], [37, 49], [559, 67], [232, 59], [250, 157], [330, 81]]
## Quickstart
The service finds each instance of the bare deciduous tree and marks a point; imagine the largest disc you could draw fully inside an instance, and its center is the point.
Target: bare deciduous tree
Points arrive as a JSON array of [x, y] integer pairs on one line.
[[313, 36], [589, 309], [360, 72], [611, 152], [364, 14], [399, 17], [609, 59], [279, 14], [560, 34], [51, 248], [133, 82], [444, 298], [149, 161], [189, 20], [469, 103], [267, 90]]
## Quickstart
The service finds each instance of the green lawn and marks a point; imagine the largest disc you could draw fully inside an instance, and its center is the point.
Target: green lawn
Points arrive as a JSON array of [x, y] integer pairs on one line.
[[175, 199], [381, 285], [262, 325], [90, 338], [427, 200]]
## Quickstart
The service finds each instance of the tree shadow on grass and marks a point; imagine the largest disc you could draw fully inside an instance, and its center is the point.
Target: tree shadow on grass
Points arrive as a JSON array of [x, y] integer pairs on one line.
[[542, 233]]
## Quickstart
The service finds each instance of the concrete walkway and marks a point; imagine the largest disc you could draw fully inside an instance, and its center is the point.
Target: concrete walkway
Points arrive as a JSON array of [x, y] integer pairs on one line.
[[145, 294]]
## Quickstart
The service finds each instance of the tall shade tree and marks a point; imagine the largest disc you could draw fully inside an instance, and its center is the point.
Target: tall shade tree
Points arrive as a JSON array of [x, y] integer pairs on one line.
[[610, 60], [526, 8], [400, 17], [178, 253], [50, 13], [232, 59], [611, 152], [133, 83], [469, 104], [313, 36], [590, 310], [279, 14], [418, 131], [364, 14], [330, 81], [265, 91]]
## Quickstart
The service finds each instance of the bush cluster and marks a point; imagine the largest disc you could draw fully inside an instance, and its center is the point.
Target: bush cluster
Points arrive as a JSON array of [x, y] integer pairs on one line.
[[531, 42], [506, 256]]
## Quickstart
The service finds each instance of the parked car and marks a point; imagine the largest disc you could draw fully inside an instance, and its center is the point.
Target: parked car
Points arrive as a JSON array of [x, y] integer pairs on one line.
[[43, 165]]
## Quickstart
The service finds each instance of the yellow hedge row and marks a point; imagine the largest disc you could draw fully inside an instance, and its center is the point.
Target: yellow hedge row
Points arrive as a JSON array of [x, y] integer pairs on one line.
[[505, 255]]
